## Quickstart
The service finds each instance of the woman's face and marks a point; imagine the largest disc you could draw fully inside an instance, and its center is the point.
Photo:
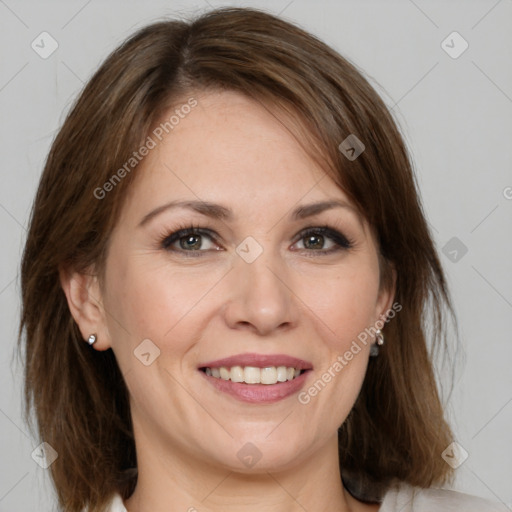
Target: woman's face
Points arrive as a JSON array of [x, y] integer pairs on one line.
[[268, 280]]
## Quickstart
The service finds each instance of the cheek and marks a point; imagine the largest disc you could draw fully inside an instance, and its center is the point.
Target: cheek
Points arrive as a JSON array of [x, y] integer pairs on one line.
[[344, 304], [343, 307], [154, 300]]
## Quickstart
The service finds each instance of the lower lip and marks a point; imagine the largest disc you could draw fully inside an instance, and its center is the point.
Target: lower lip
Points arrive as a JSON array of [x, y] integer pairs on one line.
[[258, 393]]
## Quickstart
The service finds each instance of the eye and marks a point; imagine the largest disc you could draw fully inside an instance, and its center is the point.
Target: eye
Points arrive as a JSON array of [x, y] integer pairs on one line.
[[190, 239], [315, 239], [194, 240]]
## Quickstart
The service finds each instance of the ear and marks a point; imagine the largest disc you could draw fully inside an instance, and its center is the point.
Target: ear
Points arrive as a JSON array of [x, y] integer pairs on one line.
[[83, 293], [387, 292]]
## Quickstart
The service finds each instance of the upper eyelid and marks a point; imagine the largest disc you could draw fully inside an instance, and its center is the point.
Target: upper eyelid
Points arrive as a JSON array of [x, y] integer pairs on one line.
[[212, 234]]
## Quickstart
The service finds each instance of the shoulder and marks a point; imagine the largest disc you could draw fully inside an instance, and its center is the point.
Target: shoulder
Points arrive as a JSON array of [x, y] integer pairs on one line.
[[116, 504], [405, 498]]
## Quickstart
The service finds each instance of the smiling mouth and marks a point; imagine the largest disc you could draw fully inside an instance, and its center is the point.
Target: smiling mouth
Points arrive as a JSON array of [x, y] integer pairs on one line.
[[254, 375]]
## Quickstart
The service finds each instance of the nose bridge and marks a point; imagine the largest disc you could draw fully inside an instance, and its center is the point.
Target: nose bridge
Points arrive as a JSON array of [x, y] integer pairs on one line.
[[260, 297]]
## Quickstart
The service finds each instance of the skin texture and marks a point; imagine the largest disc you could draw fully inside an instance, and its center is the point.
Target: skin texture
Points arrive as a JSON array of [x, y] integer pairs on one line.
[[293, 299]]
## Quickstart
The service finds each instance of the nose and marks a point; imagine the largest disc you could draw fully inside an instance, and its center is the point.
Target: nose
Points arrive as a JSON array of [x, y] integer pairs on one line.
[[260, 299]]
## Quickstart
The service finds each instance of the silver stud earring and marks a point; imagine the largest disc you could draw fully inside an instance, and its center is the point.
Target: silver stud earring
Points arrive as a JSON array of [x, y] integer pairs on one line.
[[379, 341], [92, 339]]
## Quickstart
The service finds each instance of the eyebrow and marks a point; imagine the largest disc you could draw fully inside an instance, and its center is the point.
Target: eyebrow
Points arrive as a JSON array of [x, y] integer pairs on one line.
[[220, 212]]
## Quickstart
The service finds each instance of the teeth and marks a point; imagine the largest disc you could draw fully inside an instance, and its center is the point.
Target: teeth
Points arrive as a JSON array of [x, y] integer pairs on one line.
[[282, 374], [237, 374], [268, 375], [254, 375]]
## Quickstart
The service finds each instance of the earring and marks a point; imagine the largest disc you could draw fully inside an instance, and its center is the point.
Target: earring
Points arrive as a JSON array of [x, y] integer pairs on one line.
[[92, 339], [379, 341]]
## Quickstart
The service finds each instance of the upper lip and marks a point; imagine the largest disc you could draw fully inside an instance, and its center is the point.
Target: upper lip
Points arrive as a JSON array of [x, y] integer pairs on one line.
[[259, 361]]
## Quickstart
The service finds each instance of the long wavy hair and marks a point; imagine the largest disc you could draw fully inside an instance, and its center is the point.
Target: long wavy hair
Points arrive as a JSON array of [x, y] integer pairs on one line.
[[396, 430]]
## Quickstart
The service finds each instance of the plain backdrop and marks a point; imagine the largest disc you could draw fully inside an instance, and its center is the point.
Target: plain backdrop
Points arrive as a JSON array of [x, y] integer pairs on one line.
[[454, 108]]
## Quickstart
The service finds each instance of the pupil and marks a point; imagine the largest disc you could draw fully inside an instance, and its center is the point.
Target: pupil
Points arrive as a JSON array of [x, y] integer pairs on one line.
[[190, 242], [312, 238]]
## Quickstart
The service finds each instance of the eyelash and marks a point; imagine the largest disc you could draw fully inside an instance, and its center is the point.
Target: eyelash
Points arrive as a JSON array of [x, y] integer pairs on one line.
[[341, 241]]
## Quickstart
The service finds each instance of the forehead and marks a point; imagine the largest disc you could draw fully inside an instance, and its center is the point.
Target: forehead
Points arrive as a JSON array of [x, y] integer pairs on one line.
[[229, 148]]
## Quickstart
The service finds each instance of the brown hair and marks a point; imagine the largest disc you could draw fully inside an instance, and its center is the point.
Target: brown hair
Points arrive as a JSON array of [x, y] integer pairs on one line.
[[396, 430]]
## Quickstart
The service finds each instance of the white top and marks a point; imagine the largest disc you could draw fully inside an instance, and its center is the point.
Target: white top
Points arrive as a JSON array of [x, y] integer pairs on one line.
[[414, 499], [408, 499]]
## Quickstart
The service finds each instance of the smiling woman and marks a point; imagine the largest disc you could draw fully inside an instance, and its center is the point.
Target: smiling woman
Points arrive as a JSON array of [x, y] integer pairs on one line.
[[271, 246]]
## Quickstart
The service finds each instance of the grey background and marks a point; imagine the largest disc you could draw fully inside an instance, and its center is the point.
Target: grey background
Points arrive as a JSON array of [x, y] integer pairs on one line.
[[456, 118]]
